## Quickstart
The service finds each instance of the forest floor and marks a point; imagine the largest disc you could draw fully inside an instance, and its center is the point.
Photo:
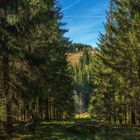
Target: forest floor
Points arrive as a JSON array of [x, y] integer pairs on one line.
[[73, 130]]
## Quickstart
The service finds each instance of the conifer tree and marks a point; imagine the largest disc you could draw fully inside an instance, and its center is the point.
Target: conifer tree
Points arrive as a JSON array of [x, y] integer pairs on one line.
[[35, 74], [117, 52]]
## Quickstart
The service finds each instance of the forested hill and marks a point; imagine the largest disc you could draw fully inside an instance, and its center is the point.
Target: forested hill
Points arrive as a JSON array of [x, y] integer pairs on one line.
[[76, 52], [74, 58], [81, 61], [77, 47]]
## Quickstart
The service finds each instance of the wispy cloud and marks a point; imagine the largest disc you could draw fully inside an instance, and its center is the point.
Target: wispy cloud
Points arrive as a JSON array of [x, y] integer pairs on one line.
[[69, 6], [84, 31], [85, 20]]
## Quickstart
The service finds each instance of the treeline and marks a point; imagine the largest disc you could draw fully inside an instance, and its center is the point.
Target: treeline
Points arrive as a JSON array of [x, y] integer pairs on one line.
[[77, 47], [116, 73], [35, 79]]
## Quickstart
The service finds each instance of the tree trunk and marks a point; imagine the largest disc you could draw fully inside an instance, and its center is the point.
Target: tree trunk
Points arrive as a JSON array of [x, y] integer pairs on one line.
[[47, 110], [6, 86], [133, 116], [9, 124], [139, 69]]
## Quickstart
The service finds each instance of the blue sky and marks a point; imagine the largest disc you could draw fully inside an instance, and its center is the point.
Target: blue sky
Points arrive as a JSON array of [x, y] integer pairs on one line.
[[85, 19]]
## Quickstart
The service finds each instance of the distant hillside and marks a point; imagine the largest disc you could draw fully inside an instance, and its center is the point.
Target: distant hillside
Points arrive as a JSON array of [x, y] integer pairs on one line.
[[75, 52], [73, 58]]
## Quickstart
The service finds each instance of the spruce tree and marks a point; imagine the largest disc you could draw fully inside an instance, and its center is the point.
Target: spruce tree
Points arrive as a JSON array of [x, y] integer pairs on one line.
[[35, 74], [117, 52]]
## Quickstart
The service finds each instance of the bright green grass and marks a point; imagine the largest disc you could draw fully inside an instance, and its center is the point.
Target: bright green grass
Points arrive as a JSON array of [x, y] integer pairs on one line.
[[71, 130]]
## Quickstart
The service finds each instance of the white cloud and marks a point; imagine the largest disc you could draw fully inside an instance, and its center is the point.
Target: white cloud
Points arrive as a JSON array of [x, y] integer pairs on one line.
[[71, 5]]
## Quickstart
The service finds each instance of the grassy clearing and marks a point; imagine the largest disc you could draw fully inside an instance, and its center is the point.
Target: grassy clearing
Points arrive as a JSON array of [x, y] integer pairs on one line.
[[71, 130]]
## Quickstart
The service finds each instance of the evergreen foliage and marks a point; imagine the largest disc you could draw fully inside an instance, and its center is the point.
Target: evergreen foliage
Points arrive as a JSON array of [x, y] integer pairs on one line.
[[36, 80], [116, 96], [77, 47], [35, 76]]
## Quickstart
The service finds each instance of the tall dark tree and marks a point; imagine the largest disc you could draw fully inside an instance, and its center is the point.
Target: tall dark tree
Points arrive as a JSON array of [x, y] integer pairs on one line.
[[35, 74]]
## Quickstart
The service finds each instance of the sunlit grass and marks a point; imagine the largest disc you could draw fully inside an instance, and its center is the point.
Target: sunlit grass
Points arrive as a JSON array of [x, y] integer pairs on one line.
[[59, 122], [83, 116]]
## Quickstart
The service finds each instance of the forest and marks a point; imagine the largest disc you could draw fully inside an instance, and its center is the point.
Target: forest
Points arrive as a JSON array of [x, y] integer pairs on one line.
[[54, 89]]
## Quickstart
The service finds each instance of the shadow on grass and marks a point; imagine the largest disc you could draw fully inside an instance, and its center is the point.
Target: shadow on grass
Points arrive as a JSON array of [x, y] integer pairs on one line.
[[75, 131]]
